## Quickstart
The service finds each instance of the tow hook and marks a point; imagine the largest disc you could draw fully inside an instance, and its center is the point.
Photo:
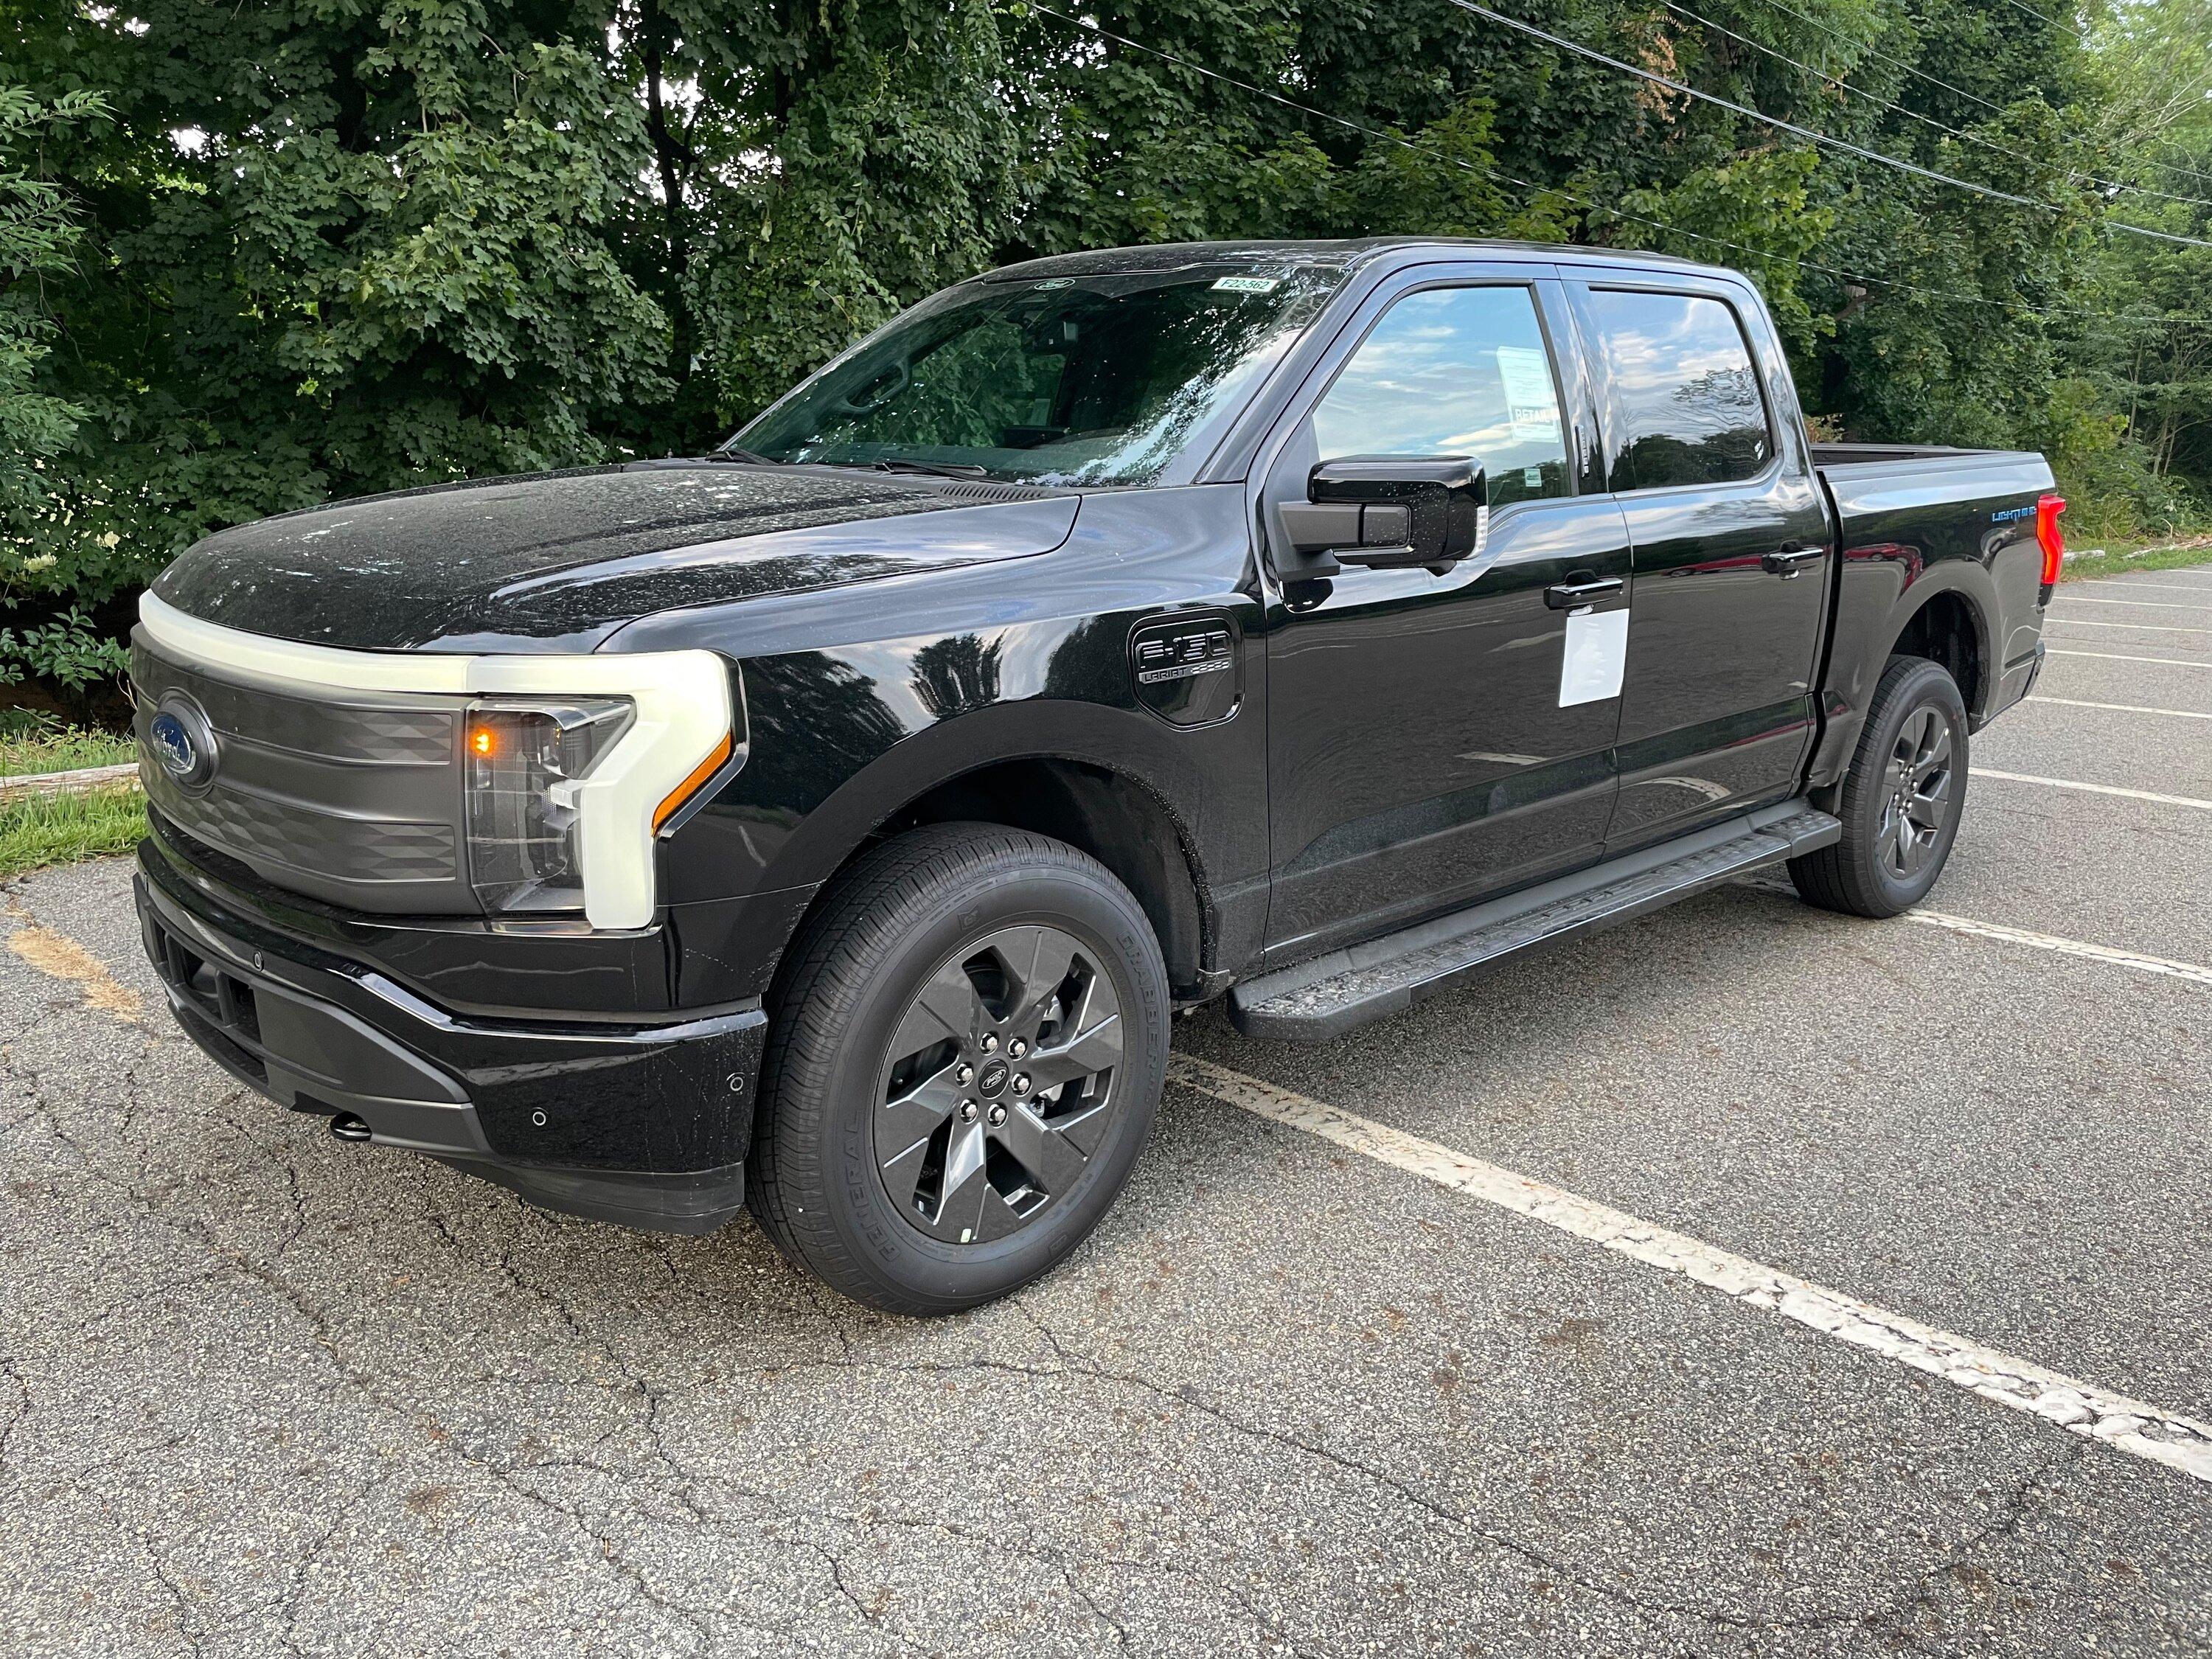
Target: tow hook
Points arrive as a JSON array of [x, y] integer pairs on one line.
[[347, 1126]]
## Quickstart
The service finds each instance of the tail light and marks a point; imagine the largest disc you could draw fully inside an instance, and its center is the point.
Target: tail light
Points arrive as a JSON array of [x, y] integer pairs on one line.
[[2050, 537]]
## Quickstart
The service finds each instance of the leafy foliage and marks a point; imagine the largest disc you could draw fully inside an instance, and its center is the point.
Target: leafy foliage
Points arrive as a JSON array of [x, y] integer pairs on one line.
[[253, 258]]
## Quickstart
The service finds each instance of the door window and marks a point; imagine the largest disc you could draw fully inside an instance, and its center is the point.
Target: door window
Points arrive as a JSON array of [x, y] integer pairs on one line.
[[1686, 405], [1454, 371]]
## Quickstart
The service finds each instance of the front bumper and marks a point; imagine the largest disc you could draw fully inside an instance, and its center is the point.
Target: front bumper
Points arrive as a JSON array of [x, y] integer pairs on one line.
[[643, 1124]]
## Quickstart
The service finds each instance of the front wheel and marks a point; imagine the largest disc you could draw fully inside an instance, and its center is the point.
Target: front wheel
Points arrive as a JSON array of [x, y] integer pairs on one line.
[[963, 1065], [1902, 799]]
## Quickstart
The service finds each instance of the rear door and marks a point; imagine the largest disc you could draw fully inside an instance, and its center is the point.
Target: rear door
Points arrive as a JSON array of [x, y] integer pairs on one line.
[[1730, 540], [1423, 744]]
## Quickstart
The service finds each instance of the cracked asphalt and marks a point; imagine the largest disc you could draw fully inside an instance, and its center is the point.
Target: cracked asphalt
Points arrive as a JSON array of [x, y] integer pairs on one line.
[[263, 1393]]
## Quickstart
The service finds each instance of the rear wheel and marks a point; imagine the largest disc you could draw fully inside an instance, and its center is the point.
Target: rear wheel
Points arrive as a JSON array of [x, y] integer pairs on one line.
[[1902, 799], [964, 1060]]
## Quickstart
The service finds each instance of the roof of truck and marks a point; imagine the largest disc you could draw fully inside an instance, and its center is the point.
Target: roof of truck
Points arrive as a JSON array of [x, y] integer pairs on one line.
[[1348, 254]]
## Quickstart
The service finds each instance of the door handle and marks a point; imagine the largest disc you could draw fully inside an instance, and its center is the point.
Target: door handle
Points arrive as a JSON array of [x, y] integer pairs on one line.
[[1789, 561], [1572, 596]]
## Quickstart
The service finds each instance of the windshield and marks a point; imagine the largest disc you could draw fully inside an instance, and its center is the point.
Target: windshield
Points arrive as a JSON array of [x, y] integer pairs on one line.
[[1068, 380]]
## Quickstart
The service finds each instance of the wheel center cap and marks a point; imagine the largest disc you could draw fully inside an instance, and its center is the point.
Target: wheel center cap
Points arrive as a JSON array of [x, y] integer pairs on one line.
[[992, 1079]]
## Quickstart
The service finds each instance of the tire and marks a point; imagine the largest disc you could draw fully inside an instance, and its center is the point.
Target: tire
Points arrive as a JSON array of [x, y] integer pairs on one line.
[[866, 1162], [1871, 871]]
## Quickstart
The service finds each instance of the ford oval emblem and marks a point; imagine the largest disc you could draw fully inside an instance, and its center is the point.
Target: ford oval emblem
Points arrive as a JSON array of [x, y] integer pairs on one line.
[[183, 742]]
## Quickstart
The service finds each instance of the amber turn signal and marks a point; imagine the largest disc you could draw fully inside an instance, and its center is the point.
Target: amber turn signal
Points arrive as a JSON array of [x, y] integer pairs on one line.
[[690, 786]]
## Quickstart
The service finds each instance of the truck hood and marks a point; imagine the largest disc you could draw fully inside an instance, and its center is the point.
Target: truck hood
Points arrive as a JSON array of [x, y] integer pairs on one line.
[[559, 561]]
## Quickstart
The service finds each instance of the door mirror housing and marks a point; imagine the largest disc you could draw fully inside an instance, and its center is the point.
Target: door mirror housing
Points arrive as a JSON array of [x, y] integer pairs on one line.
[[1392, 512]]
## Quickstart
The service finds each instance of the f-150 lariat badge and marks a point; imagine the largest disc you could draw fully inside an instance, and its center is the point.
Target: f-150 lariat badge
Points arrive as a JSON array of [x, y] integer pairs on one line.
[[1185, 669]]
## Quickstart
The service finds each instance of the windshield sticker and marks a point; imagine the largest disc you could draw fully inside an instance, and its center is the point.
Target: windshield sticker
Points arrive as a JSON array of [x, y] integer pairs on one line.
[[1530, 403], [1246, 284], [1057, 281]]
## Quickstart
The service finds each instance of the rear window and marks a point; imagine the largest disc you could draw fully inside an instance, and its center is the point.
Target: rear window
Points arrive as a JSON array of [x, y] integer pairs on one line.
[[1686, 405]]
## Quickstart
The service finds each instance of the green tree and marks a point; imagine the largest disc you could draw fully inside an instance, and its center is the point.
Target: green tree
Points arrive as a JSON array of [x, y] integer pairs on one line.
[[259, 257], [39, 232]]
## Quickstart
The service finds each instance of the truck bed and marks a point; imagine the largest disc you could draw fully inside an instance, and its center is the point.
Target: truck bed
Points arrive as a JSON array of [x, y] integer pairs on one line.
[[1961, 520]]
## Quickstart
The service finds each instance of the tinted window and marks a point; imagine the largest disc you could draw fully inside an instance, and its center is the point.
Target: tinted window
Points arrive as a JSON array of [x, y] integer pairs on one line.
[[1687, 407], [1099, 378], [1454, 371]]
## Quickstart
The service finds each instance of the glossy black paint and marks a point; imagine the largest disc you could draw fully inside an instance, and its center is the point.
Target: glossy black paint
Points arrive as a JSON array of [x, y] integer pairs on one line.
[[1716, 706], [558, 561], [1921, 527], [1382, 745], [858, 710], [663, 1097]]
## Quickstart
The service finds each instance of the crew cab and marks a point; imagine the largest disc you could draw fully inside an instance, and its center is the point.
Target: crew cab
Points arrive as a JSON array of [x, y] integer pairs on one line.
[[833, 824]]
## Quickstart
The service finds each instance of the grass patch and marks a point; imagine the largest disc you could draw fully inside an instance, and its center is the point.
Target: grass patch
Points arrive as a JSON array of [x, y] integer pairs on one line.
[[44, 829], [2118, 558], [32, 742]]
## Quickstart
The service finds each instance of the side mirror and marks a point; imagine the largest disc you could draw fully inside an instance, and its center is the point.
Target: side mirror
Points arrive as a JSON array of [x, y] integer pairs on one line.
[[1390, 512]]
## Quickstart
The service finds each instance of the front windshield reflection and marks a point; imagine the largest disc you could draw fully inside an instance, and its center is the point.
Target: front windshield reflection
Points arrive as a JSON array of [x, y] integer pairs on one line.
[[1092, 380]]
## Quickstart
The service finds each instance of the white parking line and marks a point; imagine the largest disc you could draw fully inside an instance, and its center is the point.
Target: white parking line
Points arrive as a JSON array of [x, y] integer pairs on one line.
[[2126, 707], [2134, 960], [2131, 1426], [2131, 605], [2130, 583], [2115, 656], [2093, 788], [2140, 628]]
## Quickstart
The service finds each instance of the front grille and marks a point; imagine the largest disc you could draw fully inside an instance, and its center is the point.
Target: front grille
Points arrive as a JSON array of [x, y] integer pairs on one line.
[[300, 838], [354, 798]]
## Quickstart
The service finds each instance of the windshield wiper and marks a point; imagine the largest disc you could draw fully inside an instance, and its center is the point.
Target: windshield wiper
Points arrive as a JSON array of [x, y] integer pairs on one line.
[[941, 469], [730, 453]]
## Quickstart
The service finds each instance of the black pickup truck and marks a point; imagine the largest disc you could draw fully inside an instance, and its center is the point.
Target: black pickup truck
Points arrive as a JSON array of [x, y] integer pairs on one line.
[[833, 824]]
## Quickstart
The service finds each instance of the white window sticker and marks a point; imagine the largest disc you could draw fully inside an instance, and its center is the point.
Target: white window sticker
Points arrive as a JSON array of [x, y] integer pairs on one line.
[[1247, 284], [1530, 402], [1597, 653]]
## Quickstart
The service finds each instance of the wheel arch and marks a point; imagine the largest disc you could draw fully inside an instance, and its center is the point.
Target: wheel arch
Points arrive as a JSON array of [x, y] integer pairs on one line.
[[1945, 617], [1122, 797]]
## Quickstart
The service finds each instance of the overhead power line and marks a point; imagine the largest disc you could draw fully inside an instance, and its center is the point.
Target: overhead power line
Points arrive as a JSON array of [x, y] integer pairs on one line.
[[1085, 25], [2052, 23], [1842, 85], [1914, 69], [1807, 133]]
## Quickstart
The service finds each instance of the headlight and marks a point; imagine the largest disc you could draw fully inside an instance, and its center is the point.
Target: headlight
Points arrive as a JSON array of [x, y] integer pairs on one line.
[[525, 763]]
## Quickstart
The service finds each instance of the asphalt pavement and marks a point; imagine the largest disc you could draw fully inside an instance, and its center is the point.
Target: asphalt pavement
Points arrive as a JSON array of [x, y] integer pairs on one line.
[[263, 1393]]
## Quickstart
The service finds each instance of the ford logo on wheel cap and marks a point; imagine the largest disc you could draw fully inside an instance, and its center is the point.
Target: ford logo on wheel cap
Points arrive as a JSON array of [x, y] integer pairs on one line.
[[183, 742]]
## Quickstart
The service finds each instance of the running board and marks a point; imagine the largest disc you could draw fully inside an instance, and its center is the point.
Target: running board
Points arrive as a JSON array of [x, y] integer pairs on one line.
[[1313, 1001]]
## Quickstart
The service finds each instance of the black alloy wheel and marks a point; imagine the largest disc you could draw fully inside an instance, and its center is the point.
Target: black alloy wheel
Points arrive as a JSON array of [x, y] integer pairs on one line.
[[999, 1086], [966, 1044], [1900, 802], [1918, 807]]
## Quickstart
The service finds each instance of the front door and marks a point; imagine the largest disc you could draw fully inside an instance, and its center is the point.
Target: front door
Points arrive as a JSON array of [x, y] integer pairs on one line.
[[1425, 744], [1731, 541]]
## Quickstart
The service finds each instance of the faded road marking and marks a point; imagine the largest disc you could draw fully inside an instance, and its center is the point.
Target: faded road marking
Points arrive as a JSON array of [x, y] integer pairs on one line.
[[2126, 707], [2132, 627], [63, 958], [2165, 966], [2094, 788], [2067, 592], [2133, 604], [2146, 1430], [2115, 656], [2135, 961]]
